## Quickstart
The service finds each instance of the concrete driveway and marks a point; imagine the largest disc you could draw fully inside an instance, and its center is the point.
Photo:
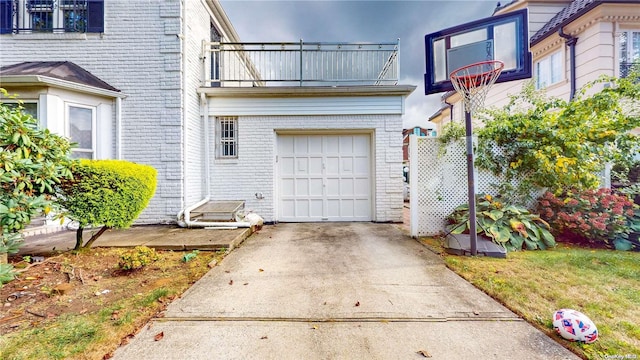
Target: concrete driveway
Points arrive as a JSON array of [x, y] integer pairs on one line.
[[337, 291]]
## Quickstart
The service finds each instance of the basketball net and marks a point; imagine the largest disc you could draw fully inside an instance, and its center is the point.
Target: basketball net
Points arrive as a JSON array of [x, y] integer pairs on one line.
[[473, 82]]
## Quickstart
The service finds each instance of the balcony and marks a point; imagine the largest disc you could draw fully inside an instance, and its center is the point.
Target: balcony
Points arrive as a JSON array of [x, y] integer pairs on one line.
[[300, 64]]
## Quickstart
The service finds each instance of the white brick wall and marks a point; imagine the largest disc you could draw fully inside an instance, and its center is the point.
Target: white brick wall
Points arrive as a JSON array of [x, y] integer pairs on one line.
[[254, 170], [140, 53]]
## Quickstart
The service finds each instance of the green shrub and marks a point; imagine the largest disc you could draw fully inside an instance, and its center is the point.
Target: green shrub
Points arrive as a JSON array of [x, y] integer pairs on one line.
[[511, 226], [137, 258], [32, 162], [111, 193], [598, 217]]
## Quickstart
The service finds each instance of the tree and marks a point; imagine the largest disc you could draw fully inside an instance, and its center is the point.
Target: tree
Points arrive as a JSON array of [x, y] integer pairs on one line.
[[109, 193], [557, 144], [32, 162]]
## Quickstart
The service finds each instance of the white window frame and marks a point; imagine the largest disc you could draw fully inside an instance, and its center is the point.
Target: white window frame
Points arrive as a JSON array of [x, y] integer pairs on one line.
[[556, 74], [25, 102], [94, 137], [628, 54], [226, 141]]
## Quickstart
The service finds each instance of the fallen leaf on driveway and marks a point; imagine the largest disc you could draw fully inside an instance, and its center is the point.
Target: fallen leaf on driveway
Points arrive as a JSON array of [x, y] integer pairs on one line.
[[159, 336], [260, 270], [424, 353], [264, 337], [230, 282], [314, 327], [358, 303]]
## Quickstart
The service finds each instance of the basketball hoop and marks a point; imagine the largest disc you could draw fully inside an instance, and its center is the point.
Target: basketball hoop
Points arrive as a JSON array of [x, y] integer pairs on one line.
[[473, 82]]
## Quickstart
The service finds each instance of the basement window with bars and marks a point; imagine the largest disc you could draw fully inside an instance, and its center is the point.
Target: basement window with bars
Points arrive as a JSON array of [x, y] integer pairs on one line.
[[227, 137]]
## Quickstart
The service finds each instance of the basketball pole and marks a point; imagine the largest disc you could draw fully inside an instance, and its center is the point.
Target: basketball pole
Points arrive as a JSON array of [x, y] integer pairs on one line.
[[473, 236]]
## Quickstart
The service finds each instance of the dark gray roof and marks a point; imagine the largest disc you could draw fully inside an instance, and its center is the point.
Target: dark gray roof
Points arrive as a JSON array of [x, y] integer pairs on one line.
[[571, 12], [63, 70]]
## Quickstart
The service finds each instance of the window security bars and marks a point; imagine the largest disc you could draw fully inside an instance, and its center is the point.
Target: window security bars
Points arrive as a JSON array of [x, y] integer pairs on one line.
[[302, 63], [625, 68], [52, 16], [227, 135]]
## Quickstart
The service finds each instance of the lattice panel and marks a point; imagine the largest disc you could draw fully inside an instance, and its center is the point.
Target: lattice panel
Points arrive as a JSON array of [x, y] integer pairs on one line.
[[439, 183]]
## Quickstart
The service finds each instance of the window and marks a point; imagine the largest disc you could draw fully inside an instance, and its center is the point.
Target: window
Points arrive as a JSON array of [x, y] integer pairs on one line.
[[53, 16], [81, 131], [549, 70], [227, 137], [30, 108], [629, 42]]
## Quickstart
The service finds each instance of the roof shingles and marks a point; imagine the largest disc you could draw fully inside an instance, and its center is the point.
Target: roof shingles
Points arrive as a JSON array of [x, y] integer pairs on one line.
[[63, 70]]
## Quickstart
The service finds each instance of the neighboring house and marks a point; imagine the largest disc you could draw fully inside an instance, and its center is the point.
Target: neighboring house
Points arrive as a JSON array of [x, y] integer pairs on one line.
[[169, 84], [572, 43], [428, 130]]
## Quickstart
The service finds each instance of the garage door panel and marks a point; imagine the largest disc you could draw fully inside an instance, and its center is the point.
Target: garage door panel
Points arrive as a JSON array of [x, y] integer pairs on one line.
[[346, 187], [333, 187], [347, 165], [315, 165], [332, 144], [287, 166], [324, 177], [346, 145], [361, 146], [332, 165], [301, 145], [361, 187], [288, 187], [302, 188], [315, 187], [361, 165]]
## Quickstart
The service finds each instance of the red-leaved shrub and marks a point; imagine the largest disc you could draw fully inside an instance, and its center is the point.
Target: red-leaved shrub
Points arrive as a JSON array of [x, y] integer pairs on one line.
[[594, 216]]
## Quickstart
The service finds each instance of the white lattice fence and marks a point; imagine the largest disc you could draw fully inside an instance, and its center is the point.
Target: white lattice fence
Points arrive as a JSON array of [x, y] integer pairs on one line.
[[439, 183]]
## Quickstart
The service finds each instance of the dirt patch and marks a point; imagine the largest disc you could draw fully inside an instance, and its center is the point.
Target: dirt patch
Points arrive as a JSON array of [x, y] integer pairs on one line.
[[88, 282]]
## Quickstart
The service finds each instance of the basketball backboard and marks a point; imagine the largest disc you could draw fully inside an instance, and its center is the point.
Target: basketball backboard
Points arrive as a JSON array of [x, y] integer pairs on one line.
[[503, 37]]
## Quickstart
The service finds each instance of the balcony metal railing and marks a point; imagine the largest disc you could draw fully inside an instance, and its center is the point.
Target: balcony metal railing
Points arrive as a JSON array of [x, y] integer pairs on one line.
[[301, 64], [626, 67]]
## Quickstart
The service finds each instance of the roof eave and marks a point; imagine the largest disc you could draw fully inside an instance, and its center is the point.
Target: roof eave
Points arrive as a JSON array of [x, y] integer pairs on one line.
[[308, 91], [36, 80]]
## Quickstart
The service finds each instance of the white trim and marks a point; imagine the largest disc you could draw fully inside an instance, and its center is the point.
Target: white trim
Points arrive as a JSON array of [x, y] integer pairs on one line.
[[67, 120], [58, 83], [549, 59]]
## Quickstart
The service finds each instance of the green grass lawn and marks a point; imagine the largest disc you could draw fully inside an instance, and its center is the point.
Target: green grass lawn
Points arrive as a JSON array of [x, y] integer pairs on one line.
[[602, 284]]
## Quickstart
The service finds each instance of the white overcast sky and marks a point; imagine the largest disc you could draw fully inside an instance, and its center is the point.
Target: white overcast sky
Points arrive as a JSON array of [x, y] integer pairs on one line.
[[361, 21]]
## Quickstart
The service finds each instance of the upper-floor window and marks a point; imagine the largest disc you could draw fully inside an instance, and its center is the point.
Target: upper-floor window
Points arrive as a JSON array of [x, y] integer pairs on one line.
[[629, 42], [81, 131], [53, 16], [549, 70]]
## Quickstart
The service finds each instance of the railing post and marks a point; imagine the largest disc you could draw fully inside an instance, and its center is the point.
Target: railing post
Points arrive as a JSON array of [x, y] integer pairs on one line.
[[301, 62], [398, 62]]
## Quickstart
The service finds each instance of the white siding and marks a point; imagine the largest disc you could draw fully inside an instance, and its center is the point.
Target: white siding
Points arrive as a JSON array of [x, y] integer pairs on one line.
[[254, 169], [345, 105]]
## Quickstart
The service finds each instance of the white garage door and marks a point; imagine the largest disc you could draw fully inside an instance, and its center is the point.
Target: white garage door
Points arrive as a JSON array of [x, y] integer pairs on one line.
[[324, 177]]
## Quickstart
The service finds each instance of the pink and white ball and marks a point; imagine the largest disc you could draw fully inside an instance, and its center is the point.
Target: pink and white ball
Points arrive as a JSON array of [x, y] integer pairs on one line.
[[574, 326]]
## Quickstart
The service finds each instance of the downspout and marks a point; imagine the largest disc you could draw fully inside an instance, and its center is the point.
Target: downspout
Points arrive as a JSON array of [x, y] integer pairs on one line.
[[571, 42], [184, 217], [118, 128], [450, 110]]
